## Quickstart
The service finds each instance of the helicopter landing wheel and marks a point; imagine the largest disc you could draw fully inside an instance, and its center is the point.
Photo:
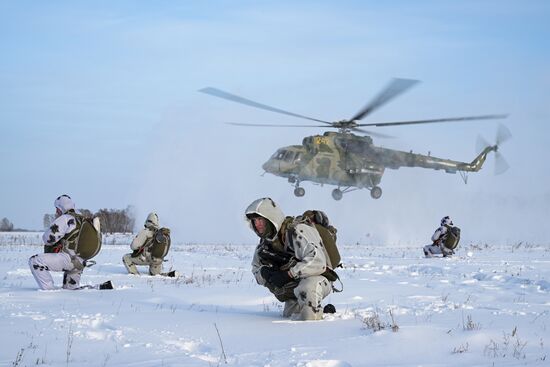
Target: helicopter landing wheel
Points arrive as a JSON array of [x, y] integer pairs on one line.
[[299, 191], [337, 194], [376, 192]]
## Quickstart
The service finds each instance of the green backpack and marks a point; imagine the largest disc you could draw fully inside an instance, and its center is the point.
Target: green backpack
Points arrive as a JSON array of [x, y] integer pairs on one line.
[[86, 240], [320, 221], [327, 233], [161, 243], [453, 237]]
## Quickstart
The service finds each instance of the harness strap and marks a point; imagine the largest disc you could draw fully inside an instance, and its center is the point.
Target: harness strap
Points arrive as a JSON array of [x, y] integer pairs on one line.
[[335, 290], [70, 240]]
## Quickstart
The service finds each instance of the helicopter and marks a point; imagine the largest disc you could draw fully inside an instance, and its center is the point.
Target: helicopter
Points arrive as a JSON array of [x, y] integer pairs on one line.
[[352, 162]]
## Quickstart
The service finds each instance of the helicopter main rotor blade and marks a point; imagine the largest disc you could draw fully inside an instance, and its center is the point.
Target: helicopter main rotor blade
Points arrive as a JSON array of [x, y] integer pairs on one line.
[[372, 133], [450, 119], [234, 98], [378, 135], [392, 90], [272, 125]]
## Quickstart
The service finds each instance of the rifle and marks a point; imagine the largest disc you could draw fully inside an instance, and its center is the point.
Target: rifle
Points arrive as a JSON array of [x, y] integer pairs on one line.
[[271, 257]]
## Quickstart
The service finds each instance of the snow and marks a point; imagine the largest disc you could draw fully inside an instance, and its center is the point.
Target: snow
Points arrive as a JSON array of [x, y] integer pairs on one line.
[[487, 305]]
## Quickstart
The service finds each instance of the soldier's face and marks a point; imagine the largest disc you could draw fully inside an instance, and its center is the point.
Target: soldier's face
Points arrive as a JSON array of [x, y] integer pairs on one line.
[[260, 224], [57, 212]]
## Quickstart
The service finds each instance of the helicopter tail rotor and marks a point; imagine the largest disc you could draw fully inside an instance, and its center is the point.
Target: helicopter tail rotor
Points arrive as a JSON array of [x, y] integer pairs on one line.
[[503, 135], [501, 165], [481, 144]]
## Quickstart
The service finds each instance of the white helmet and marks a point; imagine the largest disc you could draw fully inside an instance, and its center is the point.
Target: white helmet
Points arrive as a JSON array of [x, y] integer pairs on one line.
[[64, 203], [446, 221], [152, 221], [266, 208]]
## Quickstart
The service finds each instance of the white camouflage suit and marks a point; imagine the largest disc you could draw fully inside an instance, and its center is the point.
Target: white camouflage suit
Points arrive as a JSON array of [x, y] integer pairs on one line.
[[42, 264], [312, 261], [438, 238], [142, 241]]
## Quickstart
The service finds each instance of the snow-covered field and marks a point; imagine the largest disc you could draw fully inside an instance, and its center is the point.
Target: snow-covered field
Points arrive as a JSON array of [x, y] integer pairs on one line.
[[489, 305]]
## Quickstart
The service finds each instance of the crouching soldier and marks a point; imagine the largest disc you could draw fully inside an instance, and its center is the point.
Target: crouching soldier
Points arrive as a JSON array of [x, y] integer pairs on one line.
[[445, 239], [149, 247], [291, 260], [69, 243]]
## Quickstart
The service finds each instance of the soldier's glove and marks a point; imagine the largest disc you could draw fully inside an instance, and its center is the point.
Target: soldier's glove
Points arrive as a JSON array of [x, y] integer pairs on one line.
[[55, 248], [279, 278], [266, 272]]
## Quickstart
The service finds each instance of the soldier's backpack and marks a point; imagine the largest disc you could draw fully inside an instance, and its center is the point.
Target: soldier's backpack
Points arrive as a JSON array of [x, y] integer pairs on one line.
[[160, 243], [453, 237], [86, 240], [327, 233]]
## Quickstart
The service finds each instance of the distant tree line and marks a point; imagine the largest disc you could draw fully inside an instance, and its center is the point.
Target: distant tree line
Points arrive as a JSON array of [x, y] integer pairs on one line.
[[7, 226], [112, 220], [117, 220]]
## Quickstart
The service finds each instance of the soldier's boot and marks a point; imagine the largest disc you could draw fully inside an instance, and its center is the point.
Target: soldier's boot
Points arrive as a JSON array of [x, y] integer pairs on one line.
[[171, 274], [129, 264], [329, 308], [106, 285]]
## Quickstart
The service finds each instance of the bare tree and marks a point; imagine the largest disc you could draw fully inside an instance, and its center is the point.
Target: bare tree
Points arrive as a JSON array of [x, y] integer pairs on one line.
[[112, 220], [6, 225], [116, 220], [86, 213], [47, 220]]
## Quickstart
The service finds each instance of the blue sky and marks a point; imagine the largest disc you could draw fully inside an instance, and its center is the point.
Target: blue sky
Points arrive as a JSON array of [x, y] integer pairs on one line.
[[99, 100]]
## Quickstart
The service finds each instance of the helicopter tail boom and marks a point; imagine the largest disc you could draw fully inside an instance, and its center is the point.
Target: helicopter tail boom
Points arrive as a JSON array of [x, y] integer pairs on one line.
[[396, 159], [478, 161]]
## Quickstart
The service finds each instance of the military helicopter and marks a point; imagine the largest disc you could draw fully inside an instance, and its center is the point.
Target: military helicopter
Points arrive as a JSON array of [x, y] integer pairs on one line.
[[353, 162]]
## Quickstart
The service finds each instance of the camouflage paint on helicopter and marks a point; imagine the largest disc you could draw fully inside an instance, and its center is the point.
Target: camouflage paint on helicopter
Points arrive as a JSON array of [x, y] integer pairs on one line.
[[353, 162], [347, 160]]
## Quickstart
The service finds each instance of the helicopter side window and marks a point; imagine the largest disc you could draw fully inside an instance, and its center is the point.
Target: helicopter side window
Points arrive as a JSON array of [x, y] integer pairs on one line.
[[298, 156], [288, 156]]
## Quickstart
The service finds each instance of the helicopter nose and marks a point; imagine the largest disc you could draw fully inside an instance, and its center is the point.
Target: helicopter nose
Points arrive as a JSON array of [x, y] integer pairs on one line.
[[269, 166]]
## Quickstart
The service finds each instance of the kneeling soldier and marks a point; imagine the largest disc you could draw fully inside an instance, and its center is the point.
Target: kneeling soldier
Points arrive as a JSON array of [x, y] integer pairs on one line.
[[149, 247], [69, 243], [290, 260]]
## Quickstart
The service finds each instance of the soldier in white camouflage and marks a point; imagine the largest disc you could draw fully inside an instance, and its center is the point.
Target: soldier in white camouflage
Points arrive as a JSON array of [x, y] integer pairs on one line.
[[439, 237], [60, 252], [290, 260], [149, 247]]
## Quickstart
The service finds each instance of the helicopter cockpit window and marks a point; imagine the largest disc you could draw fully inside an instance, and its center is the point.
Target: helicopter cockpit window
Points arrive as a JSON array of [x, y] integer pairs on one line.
[[278, 154], [288, 156], [298, 156]]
